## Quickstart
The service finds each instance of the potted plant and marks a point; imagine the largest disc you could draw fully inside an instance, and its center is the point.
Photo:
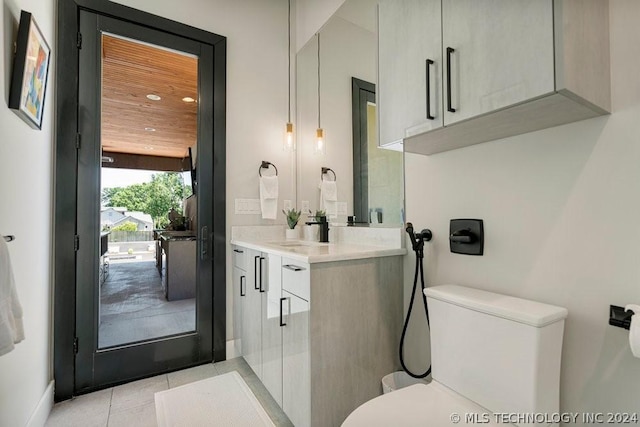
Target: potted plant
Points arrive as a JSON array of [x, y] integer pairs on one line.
[[293, 217], [319, 214]]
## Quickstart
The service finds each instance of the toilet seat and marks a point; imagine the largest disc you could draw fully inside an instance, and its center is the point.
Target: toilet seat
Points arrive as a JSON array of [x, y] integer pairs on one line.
[[418, 405]]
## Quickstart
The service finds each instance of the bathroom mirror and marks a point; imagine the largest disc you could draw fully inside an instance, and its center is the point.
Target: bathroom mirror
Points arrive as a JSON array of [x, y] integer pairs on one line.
[[369, 179]]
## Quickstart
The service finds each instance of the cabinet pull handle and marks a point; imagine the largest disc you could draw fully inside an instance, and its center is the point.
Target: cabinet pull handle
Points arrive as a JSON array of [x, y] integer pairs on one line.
[[293, 267], [261, 259], [450, 50], [243, 281], [255, 272], [238, 251], [428, 75], [281, 318]]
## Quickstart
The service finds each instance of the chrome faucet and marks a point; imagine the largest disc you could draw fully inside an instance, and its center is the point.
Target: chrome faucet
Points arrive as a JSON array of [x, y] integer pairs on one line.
[[324, 228]]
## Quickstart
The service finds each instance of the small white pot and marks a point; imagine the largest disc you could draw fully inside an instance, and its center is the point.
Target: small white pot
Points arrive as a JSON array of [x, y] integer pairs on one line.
[[291, 234]]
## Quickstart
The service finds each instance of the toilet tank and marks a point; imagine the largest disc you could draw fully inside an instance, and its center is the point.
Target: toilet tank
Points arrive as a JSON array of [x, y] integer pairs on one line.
[[499, 351]]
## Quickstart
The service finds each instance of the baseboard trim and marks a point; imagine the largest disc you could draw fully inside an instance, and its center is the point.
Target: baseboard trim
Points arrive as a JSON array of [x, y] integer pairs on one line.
[[231, 350], [43, 409]]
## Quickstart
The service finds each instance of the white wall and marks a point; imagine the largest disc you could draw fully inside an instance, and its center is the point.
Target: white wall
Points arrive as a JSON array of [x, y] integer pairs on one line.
[[256, 32], [346, 51], [561, 210], [25, 210], [311, 15]]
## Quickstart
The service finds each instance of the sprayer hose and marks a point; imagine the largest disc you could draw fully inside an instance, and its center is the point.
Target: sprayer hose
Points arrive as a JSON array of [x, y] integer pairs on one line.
[[420, 270]]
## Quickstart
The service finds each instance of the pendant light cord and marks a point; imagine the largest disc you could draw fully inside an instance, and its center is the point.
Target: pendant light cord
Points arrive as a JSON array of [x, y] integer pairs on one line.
[[318, 35], [289, 56]]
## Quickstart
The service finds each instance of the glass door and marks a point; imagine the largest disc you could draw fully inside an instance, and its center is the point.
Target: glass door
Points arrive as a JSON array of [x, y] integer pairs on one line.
[[145, 163]]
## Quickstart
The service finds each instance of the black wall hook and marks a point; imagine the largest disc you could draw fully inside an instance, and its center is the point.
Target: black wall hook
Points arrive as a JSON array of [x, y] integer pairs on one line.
[[9, 238]]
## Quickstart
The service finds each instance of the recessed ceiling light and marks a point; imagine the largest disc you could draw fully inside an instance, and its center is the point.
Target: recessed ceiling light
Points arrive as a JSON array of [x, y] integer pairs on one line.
[[150, 129], [188, 99], [153, 97], [148, 147]]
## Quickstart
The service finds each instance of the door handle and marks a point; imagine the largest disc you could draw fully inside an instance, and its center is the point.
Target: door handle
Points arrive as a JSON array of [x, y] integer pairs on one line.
[[281, 318], [255, 272], [450, 50], [204, 242], [261, 289], [429, 62], [243, 281]]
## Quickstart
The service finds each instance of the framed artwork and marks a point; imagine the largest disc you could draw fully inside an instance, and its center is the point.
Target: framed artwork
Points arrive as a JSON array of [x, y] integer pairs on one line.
[[30, 71]]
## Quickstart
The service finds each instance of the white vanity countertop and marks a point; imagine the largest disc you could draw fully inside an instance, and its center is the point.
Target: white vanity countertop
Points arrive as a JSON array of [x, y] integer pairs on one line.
[[314, 252]]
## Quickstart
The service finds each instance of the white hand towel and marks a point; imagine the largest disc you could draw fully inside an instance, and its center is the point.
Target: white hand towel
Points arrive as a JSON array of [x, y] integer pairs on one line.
[[329, 191], [269, 196], [11, 329], [329, 198], [634, 330]]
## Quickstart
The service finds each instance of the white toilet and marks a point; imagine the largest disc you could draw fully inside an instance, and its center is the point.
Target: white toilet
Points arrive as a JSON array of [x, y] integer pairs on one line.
[[495, 361]]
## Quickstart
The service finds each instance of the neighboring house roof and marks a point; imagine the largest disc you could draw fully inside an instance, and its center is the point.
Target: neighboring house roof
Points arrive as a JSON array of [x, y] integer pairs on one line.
[[144, 217], [135, 220], [117, 209]]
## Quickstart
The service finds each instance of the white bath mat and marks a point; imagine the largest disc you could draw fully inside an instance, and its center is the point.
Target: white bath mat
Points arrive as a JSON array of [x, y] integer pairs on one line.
[[225, 400]]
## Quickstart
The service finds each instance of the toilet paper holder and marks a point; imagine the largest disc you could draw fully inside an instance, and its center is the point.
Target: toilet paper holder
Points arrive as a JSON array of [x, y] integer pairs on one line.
[[619, 317]]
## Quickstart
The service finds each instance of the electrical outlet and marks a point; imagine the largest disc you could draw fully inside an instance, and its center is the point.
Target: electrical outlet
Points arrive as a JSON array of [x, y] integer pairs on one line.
[[305, 206], [247, 207], [288, 205], [342, 208]]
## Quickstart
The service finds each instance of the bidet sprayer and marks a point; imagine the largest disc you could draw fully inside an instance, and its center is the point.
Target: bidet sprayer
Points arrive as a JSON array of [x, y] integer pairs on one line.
[[417, 240]]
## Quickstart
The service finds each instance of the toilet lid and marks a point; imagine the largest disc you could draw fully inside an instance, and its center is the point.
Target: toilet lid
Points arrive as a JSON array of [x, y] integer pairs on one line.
[[420, 405]]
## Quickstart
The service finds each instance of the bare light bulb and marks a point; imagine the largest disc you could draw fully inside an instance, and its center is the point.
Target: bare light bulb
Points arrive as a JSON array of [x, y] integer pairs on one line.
[[320, 142], [289, 142]]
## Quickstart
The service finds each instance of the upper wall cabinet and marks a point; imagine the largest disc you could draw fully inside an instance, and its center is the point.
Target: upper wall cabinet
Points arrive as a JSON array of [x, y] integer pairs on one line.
[[492, 69], [409, 69]]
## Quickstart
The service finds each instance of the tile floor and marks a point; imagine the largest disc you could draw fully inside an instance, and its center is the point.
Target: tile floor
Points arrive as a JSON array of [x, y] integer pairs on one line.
[[133, 404]]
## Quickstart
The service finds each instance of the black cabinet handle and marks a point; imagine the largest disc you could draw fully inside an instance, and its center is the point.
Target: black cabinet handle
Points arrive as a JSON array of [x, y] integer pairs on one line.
[[281, 319], [428, 66], [238, 251], [261, 289], [293, 267], [255, 272], [450, 50], [243, 281]]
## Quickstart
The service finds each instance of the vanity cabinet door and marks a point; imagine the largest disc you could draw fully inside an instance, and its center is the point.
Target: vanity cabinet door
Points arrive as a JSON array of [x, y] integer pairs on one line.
[[296, 383], [252, 316], [410, 49], [270, 290], [503, 54]]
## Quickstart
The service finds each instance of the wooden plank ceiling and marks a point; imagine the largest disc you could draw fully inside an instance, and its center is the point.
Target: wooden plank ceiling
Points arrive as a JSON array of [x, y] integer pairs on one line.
[[134, 124]]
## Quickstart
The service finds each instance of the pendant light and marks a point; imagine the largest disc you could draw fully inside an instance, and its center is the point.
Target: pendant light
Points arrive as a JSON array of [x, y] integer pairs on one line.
[[320, 145], [289, 140]]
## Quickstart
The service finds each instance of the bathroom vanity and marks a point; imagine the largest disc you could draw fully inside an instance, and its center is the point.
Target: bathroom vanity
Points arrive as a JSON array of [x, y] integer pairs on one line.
[[319, 323]]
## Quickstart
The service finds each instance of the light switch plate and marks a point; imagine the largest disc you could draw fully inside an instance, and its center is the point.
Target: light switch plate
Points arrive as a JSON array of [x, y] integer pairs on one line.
[[247, 207], [305, 206], [287, 205], [342, 208]]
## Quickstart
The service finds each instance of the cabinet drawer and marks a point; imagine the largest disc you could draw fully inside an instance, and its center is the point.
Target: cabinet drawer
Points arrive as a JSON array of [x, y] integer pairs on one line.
[[296, 278], [240, 258]]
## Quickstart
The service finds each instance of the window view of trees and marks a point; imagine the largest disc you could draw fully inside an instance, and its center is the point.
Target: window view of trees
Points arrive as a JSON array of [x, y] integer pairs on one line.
[[166, 191]]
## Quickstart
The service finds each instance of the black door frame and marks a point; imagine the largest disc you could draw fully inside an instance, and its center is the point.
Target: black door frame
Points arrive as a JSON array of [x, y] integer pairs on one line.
[[362, 92], [66, 201]]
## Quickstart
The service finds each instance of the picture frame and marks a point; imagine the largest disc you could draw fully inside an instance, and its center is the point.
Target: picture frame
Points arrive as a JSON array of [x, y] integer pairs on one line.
[[30, 72]]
